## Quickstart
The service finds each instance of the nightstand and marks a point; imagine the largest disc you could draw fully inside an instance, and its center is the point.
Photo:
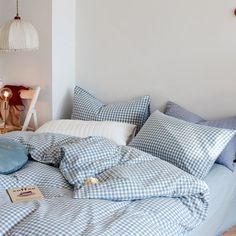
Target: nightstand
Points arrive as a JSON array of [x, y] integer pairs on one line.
[[2, 131], [8, 129]]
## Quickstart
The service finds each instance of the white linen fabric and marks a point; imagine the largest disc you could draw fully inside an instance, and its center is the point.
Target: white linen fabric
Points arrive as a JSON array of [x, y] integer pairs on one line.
[[118, 132]]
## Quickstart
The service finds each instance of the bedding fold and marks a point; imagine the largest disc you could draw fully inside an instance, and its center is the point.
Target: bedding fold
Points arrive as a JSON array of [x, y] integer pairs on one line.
[[134, 193]]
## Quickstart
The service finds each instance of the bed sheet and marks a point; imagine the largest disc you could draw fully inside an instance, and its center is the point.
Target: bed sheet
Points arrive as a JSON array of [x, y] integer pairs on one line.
[[222, 207]]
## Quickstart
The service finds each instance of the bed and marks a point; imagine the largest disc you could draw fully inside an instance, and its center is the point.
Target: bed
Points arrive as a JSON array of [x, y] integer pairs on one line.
[[117, 170], [222, 210]]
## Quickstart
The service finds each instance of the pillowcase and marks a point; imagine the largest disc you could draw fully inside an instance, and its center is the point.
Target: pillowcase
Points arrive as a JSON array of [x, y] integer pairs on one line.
[[120, 133], [173, 109], [193, 148], [87, 107], [227, 156], [13, 156]]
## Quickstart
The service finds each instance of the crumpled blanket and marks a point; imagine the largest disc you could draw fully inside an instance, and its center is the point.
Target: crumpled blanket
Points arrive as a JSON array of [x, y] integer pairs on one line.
[[136, 193]]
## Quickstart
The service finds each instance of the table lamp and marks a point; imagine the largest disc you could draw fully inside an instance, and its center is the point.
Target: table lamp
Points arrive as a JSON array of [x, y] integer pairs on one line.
[[5, 94]]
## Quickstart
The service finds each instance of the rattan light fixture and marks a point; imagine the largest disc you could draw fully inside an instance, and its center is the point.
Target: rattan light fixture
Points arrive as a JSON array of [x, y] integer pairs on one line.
[[18, 35]]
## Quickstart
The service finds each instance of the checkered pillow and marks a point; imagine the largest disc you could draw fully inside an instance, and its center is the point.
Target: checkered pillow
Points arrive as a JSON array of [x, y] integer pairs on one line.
[[193, 148], [87, 107]]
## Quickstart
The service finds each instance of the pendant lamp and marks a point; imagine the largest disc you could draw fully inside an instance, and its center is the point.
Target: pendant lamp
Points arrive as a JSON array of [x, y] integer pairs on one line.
[[18, 35]]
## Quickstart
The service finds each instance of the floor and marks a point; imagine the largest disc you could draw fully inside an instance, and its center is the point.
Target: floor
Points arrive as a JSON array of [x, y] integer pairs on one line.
[[231, 232]]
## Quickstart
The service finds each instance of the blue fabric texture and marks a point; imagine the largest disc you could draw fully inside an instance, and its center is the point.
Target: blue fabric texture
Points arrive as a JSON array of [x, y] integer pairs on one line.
[[137, 193], [42, 147], [173, 109], [60, 214], [193, 148], [123, 173], [13, 156], [87, 107], [227, 156]]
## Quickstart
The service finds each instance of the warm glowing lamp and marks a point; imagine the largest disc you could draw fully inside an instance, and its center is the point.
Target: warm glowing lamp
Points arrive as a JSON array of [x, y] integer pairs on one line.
[[5, 94]]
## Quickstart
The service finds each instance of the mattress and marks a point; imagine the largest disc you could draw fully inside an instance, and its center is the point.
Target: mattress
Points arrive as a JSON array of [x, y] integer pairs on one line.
[[222, 210]]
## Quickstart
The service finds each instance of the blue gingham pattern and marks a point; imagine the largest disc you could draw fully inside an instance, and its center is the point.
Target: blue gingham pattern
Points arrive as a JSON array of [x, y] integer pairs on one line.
[[193, 148], [87, 107], [42, 147], [123, 173], [59, 214], [92, 154]]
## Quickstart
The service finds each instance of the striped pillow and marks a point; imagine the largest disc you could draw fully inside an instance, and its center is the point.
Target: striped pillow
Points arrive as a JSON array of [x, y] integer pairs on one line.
[[87, 107], [191, 147], [120, 133]]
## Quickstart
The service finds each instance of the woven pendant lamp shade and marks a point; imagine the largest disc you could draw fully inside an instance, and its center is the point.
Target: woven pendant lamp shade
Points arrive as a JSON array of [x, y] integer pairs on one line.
[[18, 35]]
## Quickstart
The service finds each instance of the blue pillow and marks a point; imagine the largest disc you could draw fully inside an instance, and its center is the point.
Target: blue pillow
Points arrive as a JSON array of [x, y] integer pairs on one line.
[[191, 147], [173, 109], [87, 107], [227, 157], [13, 156]]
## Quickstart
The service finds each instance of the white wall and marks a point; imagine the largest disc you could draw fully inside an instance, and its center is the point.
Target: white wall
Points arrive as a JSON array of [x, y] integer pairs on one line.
[[31, 68], [53, 66], [63, 57], [182, 50]]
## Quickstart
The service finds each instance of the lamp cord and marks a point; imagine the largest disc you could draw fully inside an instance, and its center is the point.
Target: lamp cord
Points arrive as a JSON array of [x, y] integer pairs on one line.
[[17, 17], [17, 8]]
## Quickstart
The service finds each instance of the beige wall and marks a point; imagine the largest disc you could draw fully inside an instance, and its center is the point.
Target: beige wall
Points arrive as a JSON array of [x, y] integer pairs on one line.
[[183, 50]]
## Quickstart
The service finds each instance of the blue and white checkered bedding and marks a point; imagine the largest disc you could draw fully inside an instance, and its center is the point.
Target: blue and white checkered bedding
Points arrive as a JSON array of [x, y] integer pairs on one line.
[[137, 194]]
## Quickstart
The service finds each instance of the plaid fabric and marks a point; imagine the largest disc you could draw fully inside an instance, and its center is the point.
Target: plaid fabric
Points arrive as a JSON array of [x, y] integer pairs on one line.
[[58, 214], [124, 173], [193, 148], [87, 107], [43, 147]]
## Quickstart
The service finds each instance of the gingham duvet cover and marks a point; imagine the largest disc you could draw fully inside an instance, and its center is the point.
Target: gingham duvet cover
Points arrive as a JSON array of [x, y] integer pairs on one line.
[[153, 198]]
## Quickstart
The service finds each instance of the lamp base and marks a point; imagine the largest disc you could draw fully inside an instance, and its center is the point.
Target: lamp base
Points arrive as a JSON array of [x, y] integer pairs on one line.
[[9, 129], [3, 130]]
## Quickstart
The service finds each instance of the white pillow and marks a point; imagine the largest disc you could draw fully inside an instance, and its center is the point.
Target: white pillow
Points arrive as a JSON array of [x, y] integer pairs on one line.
[[120, 133]]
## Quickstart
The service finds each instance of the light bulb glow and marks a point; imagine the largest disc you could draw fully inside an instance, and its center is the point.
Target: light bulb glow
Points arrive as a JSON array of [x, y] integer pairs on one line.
[[6, 94]]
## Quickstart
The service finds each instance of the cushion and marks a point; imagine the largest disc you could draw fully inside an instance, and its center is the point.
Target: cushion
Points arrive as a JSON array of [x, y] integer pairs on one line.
[[227, 156], [87, 107], [13, 156], [120, 133], [191, 147], [173, 109]]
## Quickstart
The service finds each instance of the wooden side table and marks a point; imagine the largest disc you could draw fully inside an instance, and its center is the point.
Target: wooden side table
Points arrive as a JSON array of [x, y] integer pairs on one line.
[[8, 129]]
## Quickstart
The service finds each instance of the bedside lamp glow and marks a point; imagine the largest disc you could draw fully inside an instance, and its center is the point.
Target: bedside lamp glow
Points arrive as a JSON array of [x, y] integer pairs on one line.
[[5, 94]]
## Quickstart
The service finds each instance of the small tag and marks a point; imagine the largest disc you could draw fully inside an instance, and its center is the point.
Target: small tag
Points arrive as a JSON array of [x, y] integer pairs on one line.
[[24, 194], [91, 181]]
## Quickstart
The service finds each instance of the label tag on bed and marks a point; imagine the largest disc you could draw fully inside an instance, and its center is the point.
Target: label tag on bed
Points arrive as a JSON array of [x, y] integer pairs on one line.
[[25, 194], [91, 181]]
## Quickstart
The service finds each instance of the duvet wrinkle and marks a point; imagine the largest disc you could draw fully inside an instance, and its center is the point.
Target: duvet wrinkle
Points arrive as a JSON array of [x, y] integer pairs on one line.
[[137, 193]]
